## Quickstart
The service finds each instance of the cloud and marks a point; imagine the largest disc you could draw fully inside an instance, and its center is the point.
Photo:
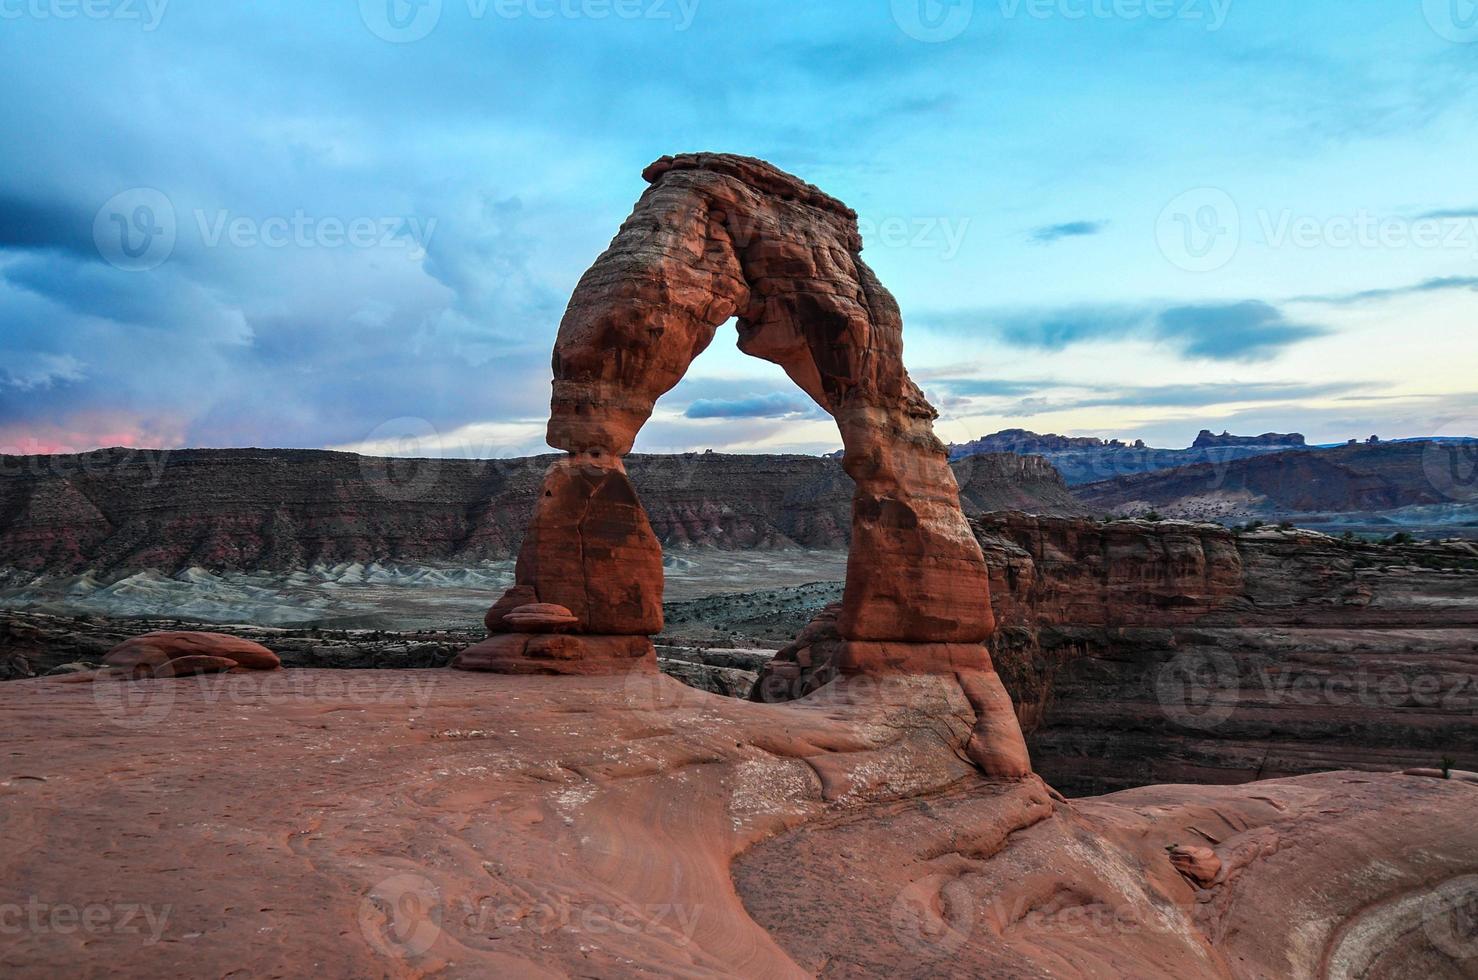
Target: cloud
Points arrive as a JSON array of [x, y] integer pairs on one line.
[[775, 405], [987, 387], [1048, 234], [1441, 284], [30, 223], [1247, 331], [31, 370], [1049, 395], [1201, 395], [1455, 214]]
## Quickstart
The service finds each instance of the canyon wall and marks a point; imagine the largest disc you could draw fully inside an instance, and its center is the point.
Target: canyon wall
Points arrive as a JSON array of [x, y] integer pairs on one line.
[[254, 509], [1143, 653]]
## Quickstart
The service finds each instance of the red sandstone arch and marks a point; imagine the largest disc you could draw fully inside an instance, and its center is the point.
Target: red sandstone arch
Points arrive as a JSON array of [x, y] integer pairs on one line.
[[714, 237]]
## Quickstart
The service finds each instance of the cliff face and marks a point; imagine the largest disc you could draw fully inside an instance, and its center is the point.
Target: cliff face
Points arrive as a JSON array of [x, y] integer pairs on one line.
[[1003, 481], [1140, 653], [255, 509]]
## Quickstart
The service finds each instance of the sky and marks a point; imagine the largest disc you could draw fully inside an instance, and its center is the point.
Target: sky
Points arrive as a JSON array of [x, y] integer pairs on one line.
[[355, 224]]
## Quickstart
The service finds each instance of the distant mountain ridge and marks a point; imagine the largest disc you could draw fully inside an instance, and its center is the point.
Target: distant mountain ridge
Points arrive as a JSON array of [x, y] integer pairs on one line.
[[1083, 460], [1435, 478]]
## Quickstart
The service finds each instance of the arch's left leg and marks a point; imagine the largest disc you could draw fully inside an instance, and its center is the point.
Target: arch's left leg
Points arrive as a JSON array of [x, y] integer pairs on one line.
[[589, 577]]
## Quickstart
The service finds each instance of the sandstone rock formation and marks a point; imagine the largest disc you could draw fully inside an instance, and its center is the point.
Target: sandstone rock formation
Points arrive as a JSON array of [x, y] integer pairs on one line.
[[176, 654], [717, 237]]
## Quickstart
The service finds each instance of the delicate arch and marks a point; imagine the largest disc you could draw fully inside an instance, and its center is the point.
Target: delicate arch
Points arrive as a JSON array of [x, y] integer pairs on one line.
[[718, 236]]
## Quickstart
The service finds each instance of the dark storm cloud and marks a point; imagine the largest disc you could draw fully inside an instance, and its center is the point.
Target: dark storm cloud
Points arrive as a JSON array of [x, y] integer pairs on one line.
[[27, 223]]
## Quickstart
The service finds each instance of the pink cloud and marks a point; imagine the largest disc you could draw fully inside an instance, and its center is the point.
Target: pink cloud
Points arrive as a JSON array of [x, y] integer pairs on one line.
[[85, 431]]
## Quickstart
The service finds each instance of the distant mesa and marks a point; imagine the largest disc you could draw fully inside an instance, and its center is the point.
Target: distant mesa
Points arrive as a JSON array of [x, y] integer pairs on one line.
[[1023, 441], [1083, 460], [1207, 440]]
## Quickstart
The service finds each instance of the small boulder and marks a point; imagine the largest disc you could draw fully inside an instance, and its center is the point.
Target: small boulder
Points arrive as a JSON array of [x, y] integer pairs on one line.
[[519, 595], [178, 654]]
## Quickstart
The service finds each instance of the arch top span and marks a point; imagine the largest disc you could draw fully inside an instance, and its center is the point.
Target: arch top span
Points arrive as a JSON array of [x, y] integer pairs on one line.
[[714, 237]]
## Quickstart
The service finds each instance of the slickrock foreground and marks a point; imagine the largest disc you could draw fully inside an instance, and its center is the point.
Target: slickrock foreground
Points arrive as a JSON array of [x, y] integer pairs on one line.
[[415, 823]]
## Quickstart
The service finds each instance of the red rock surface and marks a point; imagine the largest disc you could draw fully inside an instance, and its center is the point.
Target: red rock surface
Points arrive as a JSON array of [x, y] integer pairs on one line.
[[412, 823], [167, 654], [545, 653]]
